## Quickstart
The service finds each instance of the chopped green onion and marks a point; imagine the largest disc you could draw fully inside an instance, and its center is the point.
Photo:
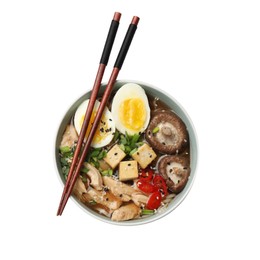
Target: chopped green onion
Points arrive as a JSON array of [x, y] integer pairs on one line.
[[104, 173], [122, 147], [102, 155], [156, 130], [135, 138], [123, 140], [147, 212], [65, 149], [64, 161], [127, 137], [133, 151], [84, 169], [94, 153], [92, 202], [127, 149], [95, 163], [116, 135], [84, 179], [108, 172]]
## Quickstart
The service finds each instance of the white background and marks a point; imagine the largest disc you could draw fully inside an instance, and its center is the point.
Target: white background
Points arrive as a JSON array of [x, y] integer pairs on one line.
[[204, 53]]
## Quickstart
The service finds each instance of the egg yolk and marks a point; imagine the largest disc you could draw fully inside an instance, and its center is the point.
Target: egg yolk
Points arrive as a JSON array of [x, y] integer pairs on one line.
[[132, 113], [102, 130]]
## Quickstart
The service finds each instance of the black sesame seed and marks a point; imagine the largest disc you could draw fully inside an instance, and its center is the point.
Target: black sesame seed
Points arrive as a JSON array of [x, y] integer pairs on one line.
[[106, 199], [110, 119], [115, 154], [169, 163], [137, 153], [170, 170], [184, 168], [102, 130], [121, 195], [163, 143], [150, 156], [129, 164]]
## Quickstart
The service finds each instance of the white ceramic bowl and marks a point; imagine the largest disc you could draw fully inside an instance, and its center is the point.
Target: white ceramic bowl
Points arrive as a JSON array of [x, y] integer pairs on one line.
[[178, 109]]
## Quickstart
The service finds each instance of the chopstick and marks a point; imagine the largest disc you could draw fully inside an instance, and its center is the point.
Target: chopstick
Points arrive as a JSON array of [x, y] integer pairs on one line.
[[118, 65], [101, 69]]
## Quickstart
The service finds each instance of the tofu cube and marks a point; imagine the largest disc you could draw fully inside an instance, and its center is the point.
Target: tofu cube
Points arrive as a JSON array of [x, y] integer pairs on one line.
[[128, 170], [144, 155], [114, 156]]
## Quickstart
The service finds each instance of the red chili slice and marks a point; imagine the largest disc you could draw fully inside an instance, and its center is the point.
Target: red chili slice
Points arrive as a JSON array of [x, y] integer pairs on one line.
[[161, 185], [145, 186], [154, 200], [146, 174]]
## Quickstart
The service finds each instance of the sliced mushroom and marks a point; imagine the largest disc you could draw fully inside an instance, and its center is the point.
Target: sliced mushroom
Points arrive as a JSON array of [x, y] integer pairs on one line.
[[175, 170], [167, 133], [69, 137], [105, 198], [118, 188], [95, 176], [126, 212], [139, 199]]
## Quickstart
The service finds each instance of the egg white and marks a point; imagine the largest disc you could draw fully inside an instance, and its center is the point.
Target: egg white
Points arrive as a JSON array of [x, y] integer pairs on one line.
[[129, 91], [107, 118]]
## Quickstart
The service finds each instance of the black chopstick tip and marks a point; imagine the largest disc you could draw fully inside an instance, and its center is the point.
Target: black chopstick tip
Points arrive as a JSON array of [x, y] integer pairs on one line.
[[117, 16], [135, 20]]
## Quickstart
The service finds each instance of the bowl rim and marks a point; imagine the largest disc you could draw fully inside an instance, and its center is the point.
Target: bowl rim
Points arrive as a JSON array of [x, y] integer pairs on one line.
[[184, 193]]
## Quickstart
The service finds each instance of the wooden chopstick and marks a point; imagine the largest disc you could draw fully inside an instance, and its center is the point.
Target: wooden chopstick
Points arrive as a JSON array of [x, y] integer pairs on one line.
[[101, 69], [118, 64]]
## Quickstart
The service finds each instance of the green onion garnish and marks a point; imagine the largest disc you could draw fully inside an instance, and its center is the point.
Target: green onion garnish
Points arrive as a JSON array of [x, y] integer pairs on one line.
[[65, 149], [156, 130], [147, 212]]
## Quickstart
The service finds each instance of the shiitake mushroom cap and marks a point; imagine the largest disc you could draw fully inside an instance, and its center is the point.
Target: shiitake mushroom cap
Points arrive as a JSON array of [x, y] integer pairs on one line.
[[175, 170], [167, 133]]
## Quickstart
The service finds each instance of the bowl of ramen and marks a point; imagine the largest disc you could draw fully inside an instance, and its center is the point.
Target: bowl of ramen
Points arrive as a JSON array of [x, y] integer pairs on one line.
[[142, 160]]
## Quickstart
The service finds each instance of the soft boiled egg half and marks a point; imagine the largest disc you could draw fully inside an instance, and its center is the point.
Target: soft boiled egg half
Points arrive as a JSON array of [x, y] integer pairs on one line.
[[106, 129], [130, 109]]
